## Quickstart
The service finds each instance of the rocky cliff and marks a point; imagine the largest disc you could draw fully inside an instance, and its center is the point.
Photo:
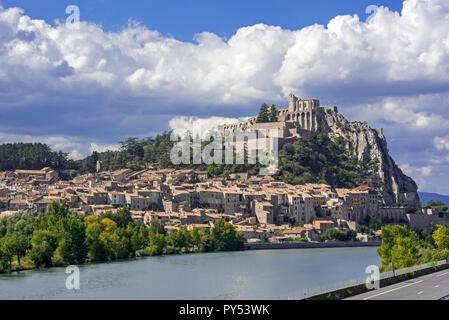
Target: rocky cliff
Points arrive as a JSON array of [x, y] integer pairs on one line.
[[370, 145]]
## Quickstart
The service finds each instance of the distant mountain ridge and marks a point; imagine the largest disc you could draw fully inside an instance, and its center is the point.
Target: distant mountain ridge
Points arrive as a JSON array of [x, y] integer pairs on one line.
[[427, 196]]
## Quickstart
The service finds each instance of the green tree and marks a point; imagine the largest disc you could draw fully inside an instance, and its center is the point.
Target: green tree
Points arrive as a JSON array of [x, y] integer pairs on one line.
[[156, 227], [121, 245], [441, 237], [374, 224], [20, 244], [440, 254], [121, 217], [5, 265], [44, 244], [224, 237], [195, 237], [139, 236], [179, 239], [226, 174], [158, 243], [7, 248], [96, 250], [69, 229], [263, 115], [32, 156], [72, 247], [405, 252], [400, 246]]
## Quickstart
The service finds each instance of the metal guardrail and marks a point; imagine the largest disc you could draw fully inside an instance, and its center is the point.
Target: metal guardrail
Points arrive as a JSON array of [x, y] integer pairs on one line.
[[314, 291], [398, 272]]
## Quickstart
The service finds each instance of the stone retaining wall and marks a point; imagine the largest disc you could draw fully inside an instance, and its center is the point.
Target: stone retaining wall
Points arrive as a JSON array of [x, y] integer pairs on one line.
[[307, 245]]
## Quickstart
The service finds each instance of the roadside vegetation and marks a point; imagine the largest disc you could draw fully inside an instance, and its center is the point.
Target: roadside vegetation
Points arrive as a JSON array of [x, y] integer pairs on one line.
[[61, 237], [405, 248]]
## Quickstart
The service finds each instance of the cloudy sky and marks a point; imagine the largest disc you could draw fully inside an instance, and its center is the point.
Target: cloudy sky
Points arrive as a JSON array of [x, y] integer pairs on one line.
[[136, 70]]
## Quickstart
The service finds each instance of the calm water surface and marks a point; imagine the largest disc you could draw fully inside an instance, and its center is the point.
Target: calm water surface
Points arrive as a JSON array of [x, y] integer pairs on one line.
[[264, 274]]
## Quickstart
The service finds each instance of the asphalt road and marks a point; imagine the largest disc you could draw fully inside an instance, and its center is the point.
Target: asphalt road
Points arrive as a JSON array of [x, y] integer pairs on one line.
[[432, 286]]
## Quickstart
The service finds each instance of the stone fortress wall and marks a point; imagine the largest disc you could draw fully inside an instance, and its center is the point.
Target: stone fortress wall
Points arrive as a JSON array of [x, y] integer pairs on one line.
[[302, 116]]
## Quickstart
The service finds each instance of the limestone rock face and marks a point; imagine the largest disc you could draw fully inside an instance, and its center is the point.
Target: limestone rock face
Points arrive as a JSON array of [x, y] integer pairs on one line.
[[306, 117], [371, 145]]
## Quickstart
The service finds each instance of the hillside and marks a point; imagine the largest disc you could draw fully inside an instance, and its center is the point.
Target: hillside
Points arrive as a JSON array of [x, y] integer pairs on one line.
[[370, 145], [427, 196], [318, 159], [32, 156], [351, 154], [303, 118]]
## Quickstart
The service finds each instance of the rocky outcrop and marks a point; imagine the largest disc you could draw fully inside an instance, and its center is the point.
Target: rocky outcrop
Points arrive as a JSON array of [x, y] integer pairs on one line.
[[305, 117], [370, 146]]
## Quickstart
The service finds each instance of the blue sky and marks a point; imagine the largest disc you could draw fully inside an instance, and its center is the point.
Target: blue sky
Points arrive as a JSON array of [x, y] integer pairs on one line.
[[183, 18], [138, 68]]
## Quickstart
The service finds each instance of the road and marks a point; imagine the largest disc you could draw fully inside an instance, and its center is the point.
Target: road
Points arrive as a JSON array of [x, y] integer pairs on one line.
[[432, 286]]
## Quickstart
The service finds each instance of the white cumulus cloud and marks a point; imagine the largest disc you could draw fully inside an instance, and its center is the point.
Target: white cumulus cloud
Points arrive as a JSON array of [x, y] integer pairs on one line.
[[406, 53], [96, 147], [76, 155], [441, 143], [90, 85]]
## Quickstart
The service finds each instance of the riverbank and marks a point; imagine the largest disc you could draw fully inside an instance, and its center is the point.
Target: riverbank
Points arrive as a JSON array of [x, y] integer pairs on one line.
[[310, 245], [28, 266], [248, 246]]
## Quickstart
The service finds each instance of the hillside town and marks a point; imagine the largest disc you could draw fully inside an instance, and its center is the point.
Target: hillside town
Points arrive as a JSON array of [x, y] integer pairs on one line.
[[262, 208]]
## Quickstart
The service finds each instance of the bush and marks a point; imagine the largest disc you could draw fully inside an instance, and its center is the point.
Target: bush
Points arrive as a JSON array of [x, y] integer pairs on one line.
[[335, 234], [440, 254]]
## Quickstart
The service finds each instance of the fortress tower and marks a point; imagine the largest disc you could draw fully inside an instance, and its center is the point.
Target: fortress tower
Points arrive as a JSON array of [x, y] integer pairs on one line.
[[302, 112]]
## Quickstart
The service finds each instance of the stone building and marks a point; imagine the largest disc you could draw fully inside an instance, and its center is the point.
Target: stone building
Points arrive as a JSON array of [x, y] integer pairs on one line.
[[300, 117], [264, 212]]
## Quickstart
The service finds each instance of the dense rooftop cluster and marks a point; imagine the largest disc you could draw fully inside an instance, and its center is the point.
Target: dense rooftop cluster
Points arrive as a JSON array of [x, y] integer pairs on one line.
[[261, 207]]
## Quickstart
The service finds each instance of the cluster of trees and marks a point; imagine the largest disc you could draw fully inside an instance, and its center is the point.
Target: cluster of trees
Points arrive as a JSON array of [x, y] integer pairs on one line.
[[267, 114], [405, 248], [318, 159], [62, 237], [32, 156], [371, 224], [138, 154], [134, 154], [340, 235]]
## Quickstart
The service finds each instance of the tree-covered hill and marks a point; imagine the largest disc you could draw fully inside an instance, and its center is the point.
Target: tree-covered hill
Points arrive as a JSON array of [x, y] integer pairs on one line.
[[32, 156], [318, 159], [155, 152], [314, 159], [134, 154]]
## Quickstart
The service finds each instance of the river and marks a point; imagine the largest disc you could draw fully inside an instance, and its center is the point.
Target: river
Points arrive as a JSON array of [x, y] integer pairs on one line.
[[258, 274]]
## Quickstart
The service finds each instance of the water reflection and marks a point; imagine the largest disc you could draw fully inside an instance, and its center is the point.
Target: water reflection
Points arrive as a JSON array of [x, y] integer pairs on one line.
[[265, 274]]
